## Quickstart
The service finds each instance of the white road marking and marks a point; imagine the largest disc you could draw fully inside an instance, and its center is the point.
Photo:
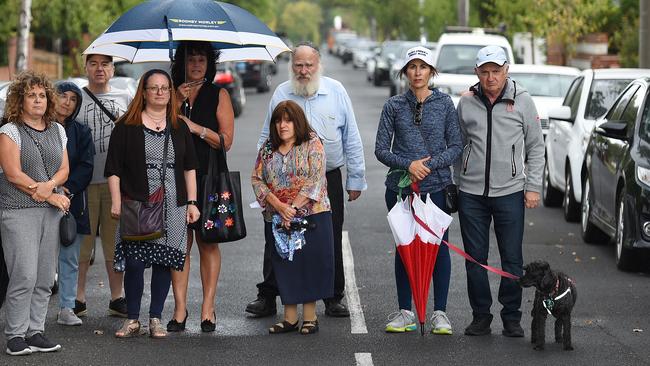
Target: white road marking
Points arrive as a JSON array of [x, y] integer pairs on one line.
[[363, 359], [357, 320]]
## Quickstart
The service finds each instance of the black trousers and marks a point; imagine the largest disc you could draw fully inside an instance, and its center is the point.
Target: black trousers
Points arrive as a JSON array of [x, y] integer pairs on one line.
[[269, 287]]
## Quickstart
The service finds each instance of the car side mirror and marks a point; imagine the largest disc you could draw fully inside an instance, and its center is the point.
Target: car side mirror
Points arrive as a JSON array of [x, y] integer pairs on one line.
[[613, 129], [562, 113]]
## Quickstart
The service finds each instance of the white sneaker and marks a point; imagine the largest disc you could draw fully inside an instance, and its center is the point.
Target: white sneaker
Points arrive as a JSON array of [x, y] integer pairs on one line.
[[401, 321], [440, 323], [68, 317]]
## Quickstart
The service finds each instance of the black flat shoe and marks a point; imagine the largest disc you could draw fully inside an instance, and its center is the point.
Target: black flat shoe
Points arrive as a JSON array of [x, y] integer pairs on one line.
[[336, 309], [208, 325], [262, 307], [175, 326]]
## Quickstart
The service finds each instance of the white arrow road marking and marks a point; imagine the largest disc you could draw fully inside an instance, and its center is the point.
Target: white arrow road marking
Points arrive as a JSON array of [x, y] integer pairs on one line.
[[357, 320]]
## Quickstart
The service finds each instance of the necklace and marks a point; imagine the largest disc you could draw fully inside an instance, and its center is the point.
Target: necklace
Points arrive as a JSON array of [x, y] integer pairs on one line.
[[158, 123]]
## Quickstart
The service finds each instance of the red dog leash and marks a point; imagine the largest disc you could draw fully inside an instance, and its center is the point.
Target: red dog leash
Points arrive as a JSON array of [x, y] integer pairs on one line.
[[456, 249]]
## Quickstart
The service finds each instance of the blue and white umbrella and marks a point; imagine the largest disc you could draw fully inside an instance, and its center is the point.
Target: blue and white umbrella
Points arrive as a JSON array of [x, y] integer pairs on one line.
[[150, 32]]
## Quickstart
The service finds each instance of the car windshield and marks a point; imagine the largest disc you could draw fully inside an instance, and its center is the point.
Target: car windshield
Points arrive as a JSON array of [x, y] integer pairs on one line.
[[544, 85], [458, 59], [602, 95]]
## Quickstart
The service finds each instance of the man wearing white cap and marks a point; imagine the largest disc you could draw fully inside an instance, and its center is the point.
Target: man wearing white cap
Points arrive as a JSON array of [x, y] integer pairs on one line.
[[499, 175], [418, 132]]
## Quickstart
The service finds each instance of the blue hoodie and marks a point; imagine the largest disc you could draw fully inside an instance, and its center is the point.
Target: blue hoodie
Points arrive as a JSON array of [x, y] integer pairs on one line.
[[399, 141], [81, 151]]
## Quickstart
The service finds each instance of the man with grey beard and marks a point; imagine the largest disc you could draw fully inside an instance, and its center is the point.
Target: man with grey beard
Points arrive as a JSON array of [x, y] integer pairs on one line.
[[329, 111]]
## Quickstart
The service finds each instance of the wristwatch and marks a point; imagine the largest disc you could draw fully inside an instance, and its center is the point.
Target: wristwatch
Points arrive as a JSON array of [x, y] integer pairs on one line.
[[203, 132], [193, 202]]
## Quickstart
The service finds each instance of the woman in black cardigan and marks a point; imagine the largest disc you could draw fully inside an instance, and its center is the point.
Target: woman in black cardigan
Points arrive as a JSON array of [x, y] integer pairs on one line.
[[134, 168]]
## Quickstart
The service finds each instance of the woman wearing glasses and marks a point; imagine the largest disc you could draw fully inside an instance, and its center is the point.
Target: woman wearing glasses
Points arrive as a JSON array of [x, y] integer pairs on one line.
[[419, 134], [134, 168]]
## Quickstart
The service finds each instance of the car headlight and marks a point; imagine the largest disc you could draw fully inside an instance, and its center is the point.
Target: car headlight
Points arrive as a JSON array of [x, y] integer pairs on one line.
[[643, 175]]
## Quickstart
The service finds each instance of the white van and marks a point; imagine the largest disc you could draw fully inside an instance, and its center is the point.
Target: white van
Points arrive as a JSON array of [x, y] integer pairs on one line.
[[455, 59]]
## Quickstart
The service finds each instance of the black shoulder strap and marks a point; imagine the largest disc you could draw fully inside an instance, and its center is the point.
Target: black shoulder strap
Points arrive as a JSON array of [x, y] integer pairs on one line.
[[100, 105]]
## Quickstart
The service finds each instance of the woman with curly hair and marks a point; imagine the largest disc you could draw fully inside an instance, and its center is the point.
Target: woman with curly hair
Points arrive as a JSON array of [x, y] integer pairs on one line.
[[34, 163]]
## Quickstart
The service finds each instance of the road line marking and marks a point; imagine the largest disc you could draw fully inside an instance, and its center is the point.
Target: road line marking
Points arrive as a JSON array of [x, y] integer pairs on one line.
[[363, 359], [357, 320]]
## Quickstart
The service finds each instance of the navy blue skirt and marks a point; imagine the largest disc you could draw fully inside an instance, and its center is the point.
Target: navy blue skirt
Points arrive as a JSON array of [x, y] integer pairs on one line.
[[310, 276]]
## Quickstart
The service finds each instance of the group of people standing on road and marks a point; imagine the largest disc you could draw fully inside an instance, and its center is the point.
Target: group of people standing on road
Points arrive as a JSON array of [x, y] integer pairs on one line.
[[66, 149]]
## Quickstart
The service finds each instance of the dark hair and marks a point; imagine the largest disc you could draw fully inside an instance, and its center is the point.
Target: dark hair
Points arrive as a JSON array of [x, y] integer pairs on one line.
[[402, 71], [133, 114], [193, 48], [295, 114]]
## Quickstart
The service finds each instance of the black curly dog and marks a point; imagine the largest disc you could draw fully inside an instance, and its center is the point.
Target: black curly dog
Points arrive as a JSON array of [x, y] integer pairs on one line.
[[555, 294]]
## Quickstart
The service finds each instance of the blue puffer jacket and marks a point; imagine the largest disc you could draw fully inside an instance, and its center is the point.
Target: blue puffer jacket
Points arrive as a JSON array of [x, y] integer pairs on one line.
[[399, 141], [81, 151]]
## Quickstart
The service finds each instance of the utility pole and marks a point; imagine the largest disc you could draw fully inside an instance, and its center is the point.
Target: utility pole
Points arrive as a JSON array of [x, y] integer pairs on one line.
[[644, 34], [22, 45], [423, 34], [463, 12]]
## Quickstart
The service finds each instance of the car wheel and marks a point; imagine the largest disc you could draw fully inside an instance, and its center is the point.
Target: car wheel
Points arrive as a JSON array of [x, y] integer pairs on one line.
[[625, 256], [550, 196], [590, 233], [393, 90], [571, 207], [375, 80], [265, 84]]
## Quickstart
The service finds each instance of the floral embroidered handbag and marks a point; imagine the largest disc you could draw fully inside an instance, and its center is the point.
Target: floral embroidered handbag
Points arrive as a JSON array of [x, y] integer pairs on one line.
[[222, 216]]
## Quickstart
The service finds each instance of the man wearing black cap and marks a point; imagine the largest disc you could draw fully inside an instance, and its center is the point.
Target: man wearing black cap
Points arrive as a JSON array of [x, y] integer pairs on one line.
[[499, 174]]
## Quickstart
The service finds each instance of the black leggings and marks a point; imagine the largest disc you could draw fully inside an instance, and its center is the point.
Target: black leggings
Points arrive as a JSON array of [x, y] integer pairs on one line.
[[134, 287]]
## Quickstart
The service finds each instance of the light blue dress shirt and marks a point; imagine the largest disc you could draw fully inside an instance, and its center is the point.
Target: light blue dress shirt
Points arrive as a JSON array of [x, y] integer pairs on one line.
[[330, 114]]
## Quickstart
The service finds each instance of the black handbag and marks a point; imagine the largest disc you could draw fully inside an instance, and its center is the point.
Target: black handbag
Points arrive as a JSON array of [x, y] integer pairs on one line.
[[451, 198], [67, 229], [144, 221], [222, 214]]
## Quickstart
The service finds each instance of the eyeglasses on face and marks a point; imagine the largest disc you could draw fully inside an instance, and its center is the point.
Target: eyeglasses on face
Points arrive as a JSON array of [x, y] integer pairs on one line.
[[417, 119], [158, 89]]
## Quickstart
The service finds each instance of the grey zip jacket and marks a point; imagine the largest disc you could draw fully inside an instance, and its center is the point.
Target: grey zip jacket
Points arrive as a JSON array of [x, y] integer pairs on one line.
[[503, 149]]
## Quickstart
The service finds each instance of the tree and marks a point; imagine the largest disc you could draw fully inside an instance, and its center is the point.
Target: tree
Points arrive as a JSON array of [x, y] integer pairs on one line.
[[565, 21], [301, 21]]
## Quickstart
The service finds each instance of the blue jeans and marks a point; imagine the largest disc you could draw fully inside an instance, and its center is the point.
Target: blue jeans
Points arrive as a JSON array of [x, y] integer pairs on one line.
[[476, 214], [68, 271], [441, 272]]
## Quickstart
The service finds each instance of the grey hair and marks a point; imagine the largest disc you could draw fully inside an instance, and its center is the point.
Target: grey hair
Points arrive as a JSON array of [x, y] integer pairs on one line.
[[305, 44]]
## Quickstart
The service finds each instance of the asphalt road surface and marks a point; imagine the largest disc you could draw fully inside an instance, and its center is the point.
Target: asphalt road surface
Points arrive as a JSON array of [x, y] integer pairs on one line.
[[611, 325]]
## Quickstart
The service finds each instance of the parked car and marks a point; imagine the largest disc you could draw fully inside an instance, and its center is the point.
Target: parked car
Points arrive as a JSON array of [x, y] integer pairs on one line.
[[455, 58], [546, 84], [363, 52], [589, 97], [616, 172], [355, 45], [399, 85], [383, 62], [255, 74], [4, 88]]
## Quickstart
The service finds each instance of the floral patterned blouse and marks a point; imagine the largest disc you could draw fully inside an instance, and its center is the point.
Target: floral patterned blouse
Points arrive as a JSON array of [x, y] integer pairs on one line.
[[300, 171]]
